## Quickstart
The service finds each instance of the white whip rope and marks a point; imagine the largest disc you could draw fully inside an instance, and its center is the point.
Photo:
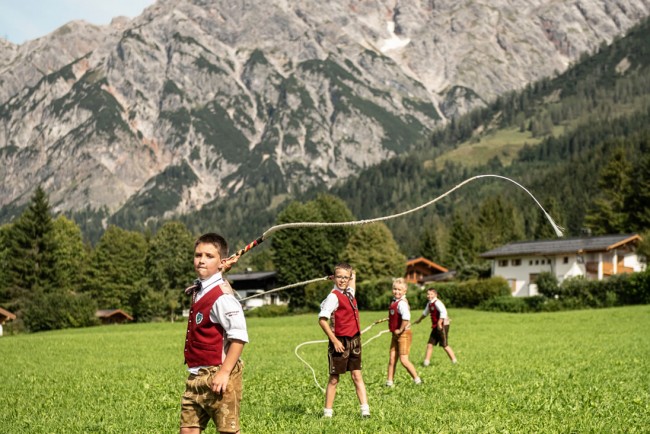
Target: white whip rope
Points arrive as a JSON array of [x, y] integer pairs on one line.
[[558, 229], [282, 288]]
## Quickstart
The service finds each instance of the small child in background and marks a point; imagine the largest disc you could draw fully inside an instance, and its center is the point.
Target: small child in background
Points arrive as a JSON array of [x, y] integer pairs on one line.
[[439, 324], [399, 323]]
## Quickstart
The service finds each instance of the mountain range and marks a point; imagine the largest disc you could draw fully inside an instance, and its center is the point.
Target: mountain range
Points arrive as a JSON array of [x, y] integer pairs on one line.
[[195, 101]]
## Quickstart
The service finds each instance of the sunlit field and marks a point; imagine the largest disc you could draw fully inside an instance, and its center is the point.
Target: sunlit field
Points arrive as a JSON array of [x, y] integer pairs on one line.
[[582, 371]]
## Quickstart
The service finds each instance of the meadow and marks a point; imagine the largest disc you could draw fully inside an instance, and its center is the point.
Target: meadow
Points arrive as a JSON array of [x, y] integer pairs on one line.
[[565, 372]]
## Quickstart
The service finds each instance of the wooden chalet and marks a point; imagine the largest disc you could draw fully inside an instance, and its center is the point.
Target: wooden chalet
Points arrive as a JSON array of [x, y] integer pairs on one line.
[[419, 270], [113, 316]]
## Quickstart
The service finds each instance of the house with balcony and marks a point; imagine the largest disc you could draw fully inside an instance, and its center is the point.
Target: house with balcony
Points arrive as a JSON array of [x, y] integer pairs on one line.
[[591, 257]]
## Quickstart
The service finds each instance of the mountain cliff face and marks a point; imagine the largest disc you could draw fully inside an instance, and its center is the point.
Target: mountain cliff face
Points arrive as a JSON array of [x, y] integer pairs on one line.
[[195, 100]]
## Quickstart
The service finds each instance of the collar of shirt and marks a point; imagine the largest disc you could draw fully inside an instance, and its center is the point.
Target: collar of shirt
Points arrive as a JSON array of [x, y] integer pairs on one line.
[[208, 284]]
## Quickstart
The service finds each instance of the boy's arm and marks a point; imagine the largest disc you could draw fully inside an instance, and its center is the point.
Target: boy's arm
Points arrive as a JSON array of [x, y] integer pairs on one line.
[[353, 281], [338, 346], [220, 380]]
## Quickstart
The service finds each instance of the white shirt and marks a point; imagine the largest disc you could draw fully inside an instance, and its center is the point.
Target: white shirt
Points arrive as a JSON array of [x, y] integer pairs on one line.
[[404, 310], [225, 311], [331, 303]]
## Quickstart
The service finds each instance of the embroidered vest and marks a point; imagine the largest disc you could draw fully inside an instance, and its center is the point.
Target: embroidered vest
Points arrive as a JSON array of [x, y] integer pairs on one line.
[[394, 317], [204, 339], [435, 314], [346, 316]]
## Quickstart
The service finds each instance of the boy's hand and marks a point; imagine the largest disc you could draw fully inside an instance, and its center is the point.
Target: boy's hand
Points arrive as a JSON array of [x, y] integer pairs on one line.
[[220, 382], [338, 345], [227, 264]]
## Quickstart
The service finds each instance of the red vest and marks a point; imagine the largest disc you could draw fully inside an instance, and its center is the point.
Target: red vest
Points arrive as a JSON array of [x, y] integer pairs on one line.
[[394, 317], [346, 316], [204, 340], [435, 314]]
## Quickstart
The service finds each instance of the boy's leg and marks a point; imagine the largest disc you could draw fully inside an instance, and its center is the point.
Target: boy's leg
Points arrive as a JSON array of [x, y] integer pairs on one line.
[[330, 391], [450, 353], [392, 363], [404, 359], [427, 355], [360, 387]]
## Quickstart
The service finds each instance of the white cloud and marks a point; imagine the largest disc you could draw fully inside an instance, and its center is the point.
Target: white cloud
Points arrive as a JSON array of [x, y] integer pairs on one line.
[[22, 20]]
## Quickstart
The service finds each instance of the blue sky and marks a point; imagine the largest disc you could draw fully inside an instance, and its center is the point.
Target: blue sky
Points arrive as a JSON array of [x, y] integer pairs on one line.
[[23, 20]]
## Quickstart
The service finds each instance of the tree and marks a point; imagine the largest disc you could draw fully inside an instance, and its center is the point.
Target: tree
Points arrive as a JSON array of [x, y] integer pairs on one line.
[[498, 223], [169, 270], [306, 253], [117, 269], [429, 244], [30, 249], [608, 214], [543, 228], [373, 253], [69, 254], [461, 249], [637, 202]]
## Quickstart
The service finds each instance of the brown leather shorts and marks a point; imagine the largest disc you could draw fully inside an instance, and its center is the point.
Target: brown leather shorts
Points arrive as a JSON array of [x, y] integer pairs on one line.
[[349, 359], [199, 403], [402, 343]]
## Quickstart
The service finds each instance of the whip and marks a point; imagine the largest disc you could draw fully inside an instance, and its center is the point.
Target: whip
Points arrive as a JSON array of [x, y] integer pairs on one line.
[[558, 230]]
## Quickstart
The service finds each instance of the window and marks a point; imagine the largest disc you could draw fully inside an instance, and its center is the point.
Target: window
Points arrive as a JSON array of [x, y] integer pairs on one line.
[[503, 262], [530, 262], [566, 259], [516, 262], [536, 261]]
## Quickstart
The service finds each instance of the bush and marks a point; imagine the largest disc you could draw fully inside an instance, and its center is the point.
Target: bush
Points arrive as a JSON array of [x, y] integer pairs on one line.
[[59, 311], [268, 311], [505, 303], [471, 293], [547, 284]]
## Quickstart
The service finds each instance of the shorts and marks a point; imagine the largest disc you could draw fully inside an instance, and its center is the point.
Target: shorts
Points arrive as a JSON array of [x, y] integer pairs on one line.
[[349, 359], [439, 337], [402, 343], [199, 403]]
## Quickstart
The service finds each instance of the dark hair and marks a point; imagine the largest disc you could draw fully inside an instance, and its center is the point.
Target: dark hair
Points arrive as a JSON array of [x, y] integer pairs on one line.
[[343, 266], [433, 289], [216, 240]]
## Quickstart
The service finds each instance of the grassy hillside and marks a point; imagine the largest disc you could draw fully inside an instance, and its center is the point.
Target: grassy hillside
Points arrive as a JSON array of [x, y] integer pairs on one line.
[[554, 372]]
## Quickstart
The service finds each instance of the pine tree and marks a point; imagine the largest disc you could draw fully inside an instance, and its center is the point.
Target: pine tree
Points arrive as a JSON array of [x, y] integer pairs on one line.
[[429, 244], [30, 249], [608, 214], [117, 269], [373, 253]]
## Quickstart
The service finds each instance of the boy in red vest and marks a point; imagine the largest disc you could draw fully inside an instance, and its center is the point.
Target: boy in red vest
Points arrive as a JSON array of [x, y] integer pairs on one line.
[[344, 349], [399, 323], [439, 324], [216, 334]]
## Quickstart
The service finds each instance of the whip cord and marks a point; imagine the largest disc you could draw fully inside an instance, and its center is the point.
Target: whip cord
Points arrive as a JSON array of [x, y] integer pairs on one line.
[[558, 230]]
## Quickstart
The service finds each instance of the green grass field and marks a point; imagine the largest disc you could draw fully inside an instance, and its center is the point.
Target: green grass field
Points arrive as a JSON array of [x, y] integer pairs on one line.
[[584, 372]]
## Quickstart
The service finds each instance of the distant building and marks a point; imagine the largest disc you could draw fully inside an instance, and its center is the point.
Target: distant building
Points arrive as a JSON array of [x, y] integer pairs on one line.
[[251, 283], [113, 316], [592, 257], [420, 270]]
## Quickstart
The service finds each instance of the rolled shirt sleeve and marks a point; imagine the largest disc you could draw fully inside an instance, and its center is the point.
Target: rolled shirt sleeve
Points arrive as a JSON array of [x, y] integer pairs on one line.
[[404, 310], [228, 312], [329, 305]]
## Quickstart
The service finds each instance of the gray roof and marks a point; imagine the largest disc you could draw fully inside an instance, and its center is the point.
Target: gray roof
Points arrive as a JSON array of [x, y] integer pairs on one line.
[[253, 275], [562, 245]]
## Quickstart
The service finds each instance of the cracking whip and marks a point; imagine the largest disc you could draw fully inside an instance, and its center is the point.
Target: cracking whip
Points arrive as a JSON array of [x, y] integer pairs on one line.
[[558, 230]]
